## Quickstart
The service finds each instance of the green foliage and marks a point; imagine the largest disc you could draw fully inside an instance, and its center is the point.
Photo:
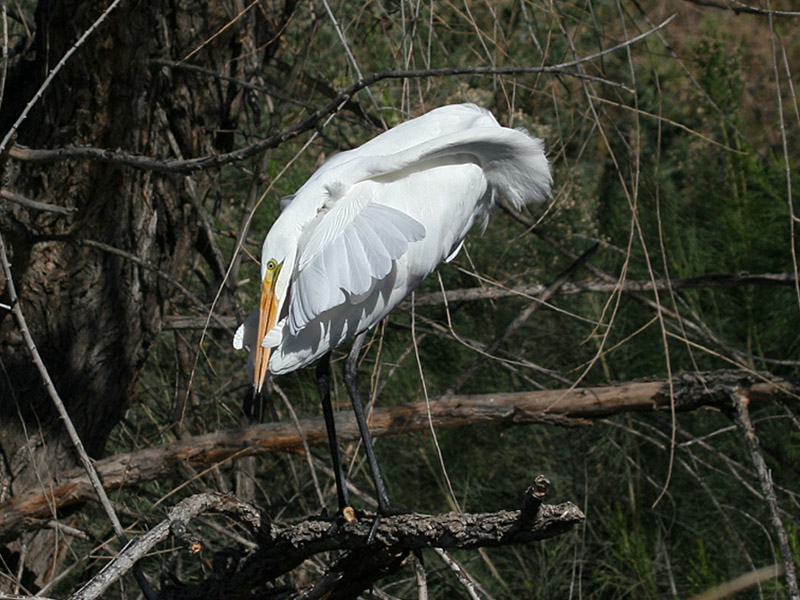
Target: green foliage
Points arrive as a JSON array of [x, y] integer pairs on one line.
[[704, 572]]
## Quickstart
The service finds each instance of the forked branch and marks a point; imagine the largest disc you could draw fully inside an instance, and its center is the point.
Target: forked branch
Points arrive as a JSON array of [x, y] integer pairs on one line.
[[281, 548]]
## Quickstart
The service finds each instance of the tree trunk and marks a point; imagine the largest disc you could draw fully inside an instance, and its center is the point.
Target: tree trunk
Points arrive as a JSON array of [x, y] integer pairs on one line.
[[94, 314]]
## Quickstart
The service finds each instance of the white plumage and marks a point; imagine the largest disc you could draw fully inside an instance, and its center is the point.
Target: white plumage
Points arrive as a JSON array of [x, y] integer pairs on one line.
[[373, 222]]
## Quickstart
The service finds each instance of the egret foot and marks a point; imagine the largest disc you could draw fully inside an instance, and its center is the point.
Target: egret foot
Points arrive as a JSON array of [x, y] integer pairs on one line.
[[388, 510], [346, 515]]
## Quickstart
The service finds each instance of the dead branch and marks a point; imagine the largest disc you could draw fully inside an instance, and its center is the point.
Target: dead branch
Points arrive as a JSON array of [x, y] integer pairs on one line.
[[739, 8], [53, 72], [35, 204], [215, 161], [741, 400], [176, 523], [496, 290], [282, 548], [32, 508]]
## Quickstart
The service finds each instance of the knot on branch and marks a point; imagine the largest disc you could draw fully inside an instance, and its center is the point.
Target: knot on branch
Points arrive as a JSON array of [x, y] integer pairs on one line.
[[534, 496], [715, 387]]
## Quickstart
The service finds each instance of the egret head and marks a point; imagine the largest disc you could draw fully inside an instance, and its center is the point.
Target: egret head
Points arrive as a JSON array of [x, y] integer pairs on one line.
[[277, 263]]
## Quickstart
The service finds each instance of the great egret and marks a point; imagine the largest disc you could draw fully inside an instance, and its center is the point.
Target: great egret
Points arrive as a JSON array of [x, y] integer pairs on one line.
[[366, 228]]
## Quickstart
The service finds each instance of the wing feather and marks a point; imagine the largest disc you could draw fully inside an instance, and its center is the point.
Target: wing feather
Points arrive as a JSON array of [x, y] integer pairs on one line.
[[359, 267], [350, 263]]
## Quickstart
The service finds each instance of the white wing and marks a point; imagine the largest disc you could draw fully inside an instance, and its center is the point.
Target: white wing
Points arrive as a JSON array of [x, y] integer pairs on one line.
[[337, 262]]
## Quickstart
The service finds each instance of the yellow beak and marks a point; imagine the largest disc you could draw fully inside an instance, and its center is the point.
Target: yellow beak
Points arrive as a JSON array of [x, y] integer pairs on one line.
[[267, 317]]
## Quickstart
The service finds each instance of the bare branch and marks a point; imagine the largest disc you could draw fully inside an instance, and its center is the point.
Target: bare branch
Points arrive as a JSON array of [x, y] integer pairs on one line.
[[31, 509], [176, 522], [282, 548], [35, 204], [741, 400], [740, 8], [496, 290], [46, 83], [211, 162]]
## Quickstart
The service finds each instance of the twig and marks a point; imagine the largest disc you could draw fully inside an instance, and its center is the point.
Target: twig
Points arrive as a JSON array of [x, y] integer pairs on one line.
[[177, 522], [741, 400], [94, 479], [35, 204], [5, 54], [461, 574], [496, 290], [348, 52], [523, 316], [421, 576], [247, 85], [787, 163], [24, 114], [744, 9], [306, 449], [310, 122]]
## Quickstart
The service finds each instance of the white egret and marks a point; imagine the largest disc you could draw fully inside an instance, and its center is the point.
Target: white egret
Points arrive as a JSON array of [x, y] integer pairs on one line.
[[366, 228]]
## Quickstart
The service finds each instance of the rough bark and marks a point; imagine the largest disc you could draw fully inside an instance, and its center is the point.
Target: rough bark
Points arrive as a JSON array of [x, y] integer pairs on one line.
[[281, 548], [94, 314]]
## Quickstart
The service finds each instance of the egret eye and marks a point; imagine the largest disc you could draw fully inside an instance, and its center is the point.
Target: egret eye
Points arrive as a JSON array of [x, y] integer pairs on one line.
[[271, 265]]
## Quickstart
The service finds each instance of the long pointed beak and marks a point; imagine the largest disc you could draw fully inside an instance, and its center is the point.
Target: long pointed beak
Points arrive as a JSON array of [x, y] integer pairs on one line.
[[267, 317]]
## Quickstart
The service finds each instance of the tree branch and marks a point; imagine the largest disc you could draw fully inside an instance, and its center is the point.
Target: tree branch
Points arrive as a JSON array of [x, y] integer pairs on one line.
[[282, 548], [215, 161], [741, 400], [739, 8], [35, 204], [32, 508], [495, 290]]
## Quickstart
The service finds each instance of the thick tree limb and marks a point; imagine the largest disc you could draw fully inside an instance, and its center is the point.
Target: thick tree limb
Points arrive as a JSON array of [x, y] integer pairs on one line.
[[282, 548], [31, 509]]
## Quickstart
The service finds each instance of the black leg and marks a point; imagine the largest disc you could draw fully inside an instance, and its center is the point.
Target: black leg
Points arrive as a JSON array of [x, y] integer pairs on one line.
[[324, 384], [350, 380]]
